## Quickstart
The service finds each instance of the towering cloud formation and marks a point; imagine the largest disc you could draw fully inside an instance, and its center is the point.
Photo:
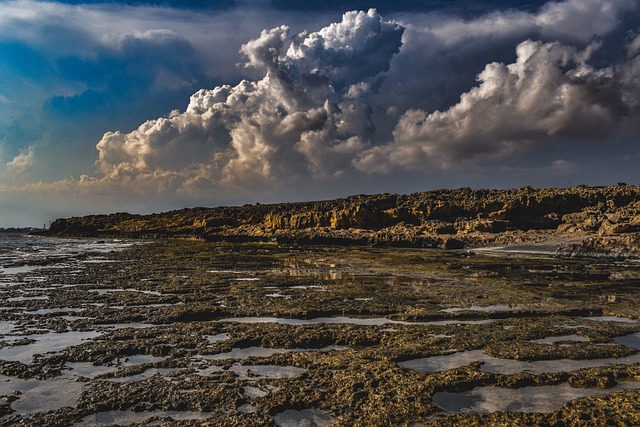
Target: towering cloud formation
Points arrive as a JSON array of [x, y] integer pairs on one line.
[[309, 114], [549, 91], [411, 101], [365, 97]]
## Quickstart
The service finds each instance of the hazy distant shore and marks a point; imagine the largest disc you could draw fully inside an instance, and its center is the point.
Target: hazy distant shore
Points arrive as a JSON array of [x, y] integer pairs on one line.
[[21, 230], [576, 221]]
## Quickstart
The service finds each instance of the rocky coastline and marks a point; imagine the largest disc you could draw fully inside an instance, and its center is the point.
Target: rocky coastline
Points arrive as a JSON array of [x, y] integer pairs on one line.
[[576, 221], [188, 333]]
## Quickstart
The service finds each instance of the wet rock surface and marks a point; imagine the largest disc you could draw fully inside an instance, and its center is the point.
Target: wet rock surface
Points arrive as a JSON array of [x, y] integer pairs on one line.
[[321, 335]]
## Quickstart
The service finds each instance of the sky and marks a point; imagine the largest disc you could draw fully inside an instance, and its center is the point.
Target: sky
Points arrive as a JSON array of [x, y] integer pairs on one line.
[[152, 105]]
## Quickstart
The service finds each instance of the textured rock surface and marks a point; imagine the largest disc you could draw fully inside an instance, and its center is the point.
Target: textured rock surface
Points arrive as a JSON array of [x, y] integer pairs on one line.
[[578, 221], [156, 308]]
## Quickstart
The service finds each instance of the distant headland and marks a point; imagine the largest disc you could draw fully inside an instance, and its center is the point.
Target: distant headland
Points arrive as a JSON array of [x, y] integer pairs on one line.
[[575, 221], [21, 230]]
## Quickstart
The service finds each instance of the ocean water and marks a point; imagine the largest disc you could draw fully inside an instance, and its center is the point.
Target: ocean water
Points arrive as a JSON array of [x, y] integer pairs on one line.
[[21, 253], [27, 265]]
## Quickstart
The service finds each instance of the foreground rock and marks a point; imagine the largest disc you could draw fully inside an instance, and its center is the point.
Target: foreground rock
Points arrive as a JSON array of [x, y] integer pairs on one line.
[[576, 221], [181, 333]]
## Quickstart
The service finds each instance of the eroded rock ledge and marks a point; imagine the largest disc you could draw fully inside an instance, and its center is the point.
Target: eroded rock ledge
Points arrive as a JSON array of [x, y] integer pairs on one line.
[[573, 221]]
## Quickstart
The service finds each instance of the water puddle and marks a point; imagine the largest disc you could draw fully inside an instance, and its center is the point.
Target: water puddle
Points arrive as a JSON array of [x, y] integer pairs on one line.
[[6, 327], [320, 274], [267, 371], [45, 343], [226, 272], [305, 417], [52, 286], [632, 340], [247, 408], [143, 375], [563, 338], [217, 337], [114, 290], [254, 392], [134, 325], [130, 417], [61, 310], [32, 279], [28, 298], [12, 271], [485, 309], [610, 319], [89, 370], [164, 304], [484, 400], [495, 365], [138, 359], [74, 318], [256, 372], [524, 249], [244, 353], [376, 321], [41, 395]]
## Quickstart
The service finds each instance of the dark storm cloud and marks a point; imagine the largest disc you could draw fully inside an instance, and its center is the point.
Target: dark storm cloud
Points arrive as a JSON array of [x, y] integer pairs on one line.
[[465, 7], [132, 68], [178, 4]]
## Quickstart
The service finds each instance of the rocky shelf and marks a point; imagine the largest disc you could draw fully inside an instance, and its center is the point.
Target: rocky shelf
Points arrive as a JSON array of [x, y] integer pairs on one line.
[[577, 221]]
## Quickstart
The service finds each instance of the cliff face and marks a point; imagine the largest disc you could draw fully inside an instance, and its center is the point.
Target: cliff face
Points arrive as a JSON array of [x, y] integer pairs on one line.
[[450, 218]]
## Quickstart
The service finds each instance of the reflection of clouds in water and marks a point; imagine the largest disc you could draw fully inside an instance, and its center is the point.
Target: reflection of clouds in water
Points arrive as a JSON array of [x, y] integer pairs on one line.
[[484, 400], [253, 372], [552, 340], [632, 340], [45, 343], [485, 309], [41, 395], [371, 321], [128, 417], [304, 417], [509, 366]]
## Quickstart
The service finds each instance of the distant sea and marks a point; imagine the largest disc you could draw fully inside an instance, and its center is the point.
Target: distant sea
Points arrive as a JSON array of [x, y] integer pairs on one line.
[[19, 251]]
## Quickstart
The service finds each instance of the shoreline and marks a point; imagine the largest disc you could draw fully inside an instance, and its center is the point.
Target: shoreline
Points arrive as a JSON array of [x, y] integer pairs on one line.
[[580, 221], [537, 243]]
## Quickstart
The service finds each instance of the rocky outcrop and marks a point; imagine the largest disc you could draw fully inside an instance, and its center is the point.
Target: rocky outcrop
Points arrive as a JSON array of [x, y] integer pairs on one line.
[[603, 216]]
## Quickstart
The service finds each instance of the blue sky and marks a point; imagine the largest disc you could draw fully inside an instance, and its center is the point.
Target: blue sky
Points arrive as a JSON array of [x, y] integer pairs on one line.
[[153, 105]]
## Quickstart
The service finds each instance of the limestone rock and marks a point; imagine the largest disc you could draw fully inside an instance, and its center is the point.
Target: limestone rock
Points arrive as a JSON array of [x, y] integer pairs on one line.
[[475, 217]]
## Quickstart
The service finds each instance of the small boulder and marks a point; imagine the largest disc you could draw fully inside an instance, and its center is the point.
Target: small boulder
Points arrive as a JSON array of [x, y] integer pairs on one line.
[[452, 243]]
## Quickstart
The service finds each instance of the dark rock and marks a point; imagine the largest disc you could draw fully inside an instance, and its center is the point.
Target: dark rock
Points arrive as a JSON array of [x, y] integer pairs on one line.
[[452, 243]]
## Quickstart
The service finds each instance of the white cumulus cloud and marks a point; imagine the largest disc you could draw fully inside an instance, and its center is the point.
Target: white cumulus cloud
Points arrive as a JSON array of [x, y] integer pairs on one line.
[[549, 91], [308, 115]]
